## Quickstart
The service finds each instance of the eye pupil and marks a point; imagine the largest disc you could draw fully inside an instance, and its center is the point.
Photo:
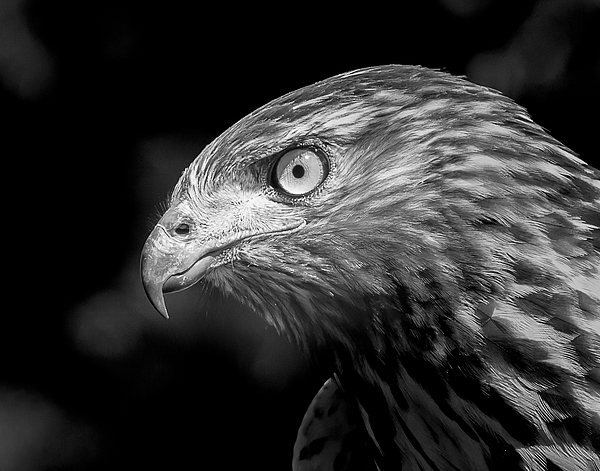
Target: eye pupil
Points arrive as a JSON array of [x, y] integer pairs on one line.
[[298, 171], [182, 229]]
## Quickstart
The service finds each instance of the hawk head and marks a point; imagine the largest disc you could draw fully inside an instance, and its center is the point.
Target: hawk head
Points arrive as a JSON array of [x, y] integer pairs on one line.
[[381, 191]]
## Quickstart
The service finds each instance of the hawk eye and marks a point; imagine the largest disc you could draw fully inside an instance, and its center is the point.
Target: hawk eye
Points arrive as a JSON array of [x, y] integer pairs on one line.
[[299, 171]]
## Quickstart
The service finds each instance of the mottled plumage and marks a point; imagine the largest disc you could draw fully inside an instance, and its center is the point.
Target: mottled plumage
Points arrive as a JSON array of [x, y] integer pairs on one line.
[[449, 263]]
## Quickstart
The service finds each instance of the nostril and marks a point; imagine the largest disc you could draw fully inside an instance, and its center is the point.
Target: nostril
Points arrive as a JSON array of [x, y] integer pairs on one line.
[[182, 229]]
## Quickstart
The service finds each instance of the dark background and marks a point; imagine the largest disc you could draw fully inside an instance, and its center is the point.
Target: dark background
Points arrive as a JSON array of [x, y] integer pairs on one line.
[[104, 104]]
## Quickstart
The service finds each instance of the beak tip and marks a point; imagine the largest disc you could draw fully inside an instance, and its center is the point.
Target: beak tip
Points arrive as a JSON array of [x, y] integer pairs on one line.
[[155, 296], [153, 287]]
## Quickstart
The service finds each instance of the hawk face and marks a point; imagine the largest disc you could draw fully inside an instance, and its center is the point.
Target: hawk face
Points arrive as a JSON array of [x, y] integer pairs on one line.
[[303, 208]]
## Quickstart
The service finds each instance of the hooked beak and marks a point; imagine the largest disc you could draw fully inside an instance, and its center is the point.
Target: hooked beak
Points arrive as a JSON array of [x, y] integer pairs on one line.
[[173, 260], [171, 263]]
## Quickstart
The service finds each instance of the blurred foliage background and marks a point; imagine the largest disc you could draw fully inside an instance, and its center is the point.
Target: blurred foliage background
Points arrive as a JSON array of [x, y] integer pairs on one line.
[[104, 103]]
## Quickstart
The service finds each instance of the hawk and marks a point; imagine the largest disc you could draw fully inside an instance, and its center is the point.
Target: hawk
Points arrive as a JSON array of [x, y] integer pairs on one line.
[[434, 244]]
